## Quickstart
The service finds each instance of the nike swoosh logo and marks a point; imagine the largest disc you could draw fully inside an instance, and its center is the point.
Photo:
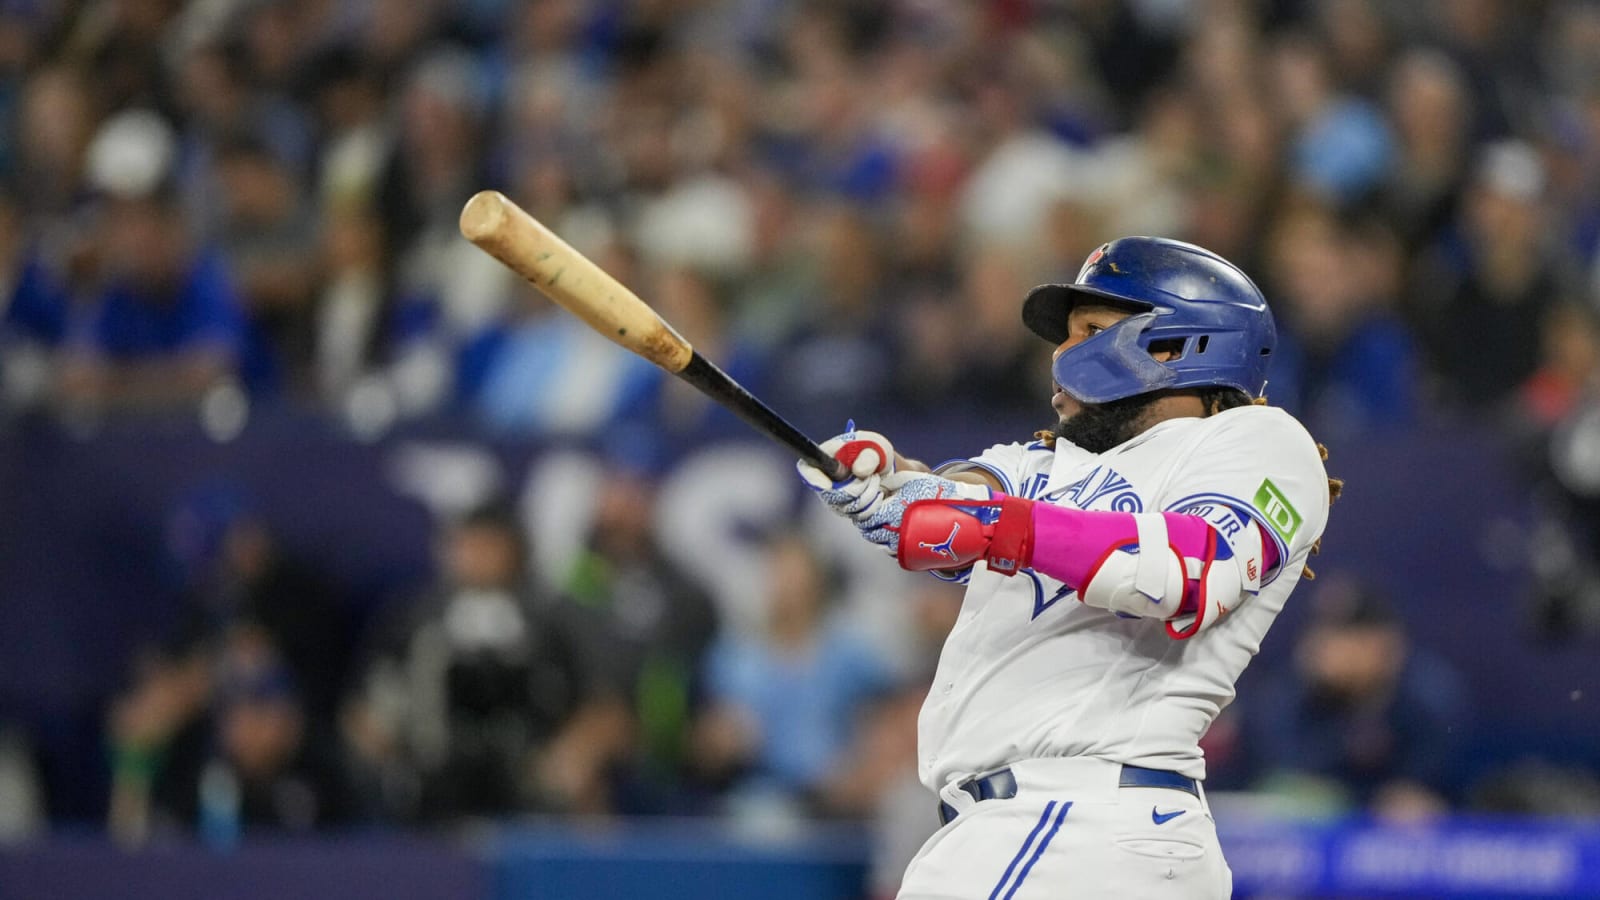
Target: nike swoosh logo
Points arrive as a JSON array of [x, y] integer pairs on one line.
[[1161, 818]]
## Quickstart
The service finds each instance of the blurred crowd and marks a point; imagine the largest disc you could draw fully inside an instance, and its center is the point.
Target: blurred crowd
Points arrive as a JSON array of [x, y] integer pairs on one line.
[[227, 206], [257, 201]]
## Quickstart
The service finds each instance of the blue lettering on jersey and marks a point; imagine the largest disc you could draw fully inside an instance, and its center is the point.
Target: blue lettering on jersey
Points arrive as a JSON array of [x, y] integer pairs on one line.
[[1226, 518], [1103, 482], [1040, 604], [1230, 515]]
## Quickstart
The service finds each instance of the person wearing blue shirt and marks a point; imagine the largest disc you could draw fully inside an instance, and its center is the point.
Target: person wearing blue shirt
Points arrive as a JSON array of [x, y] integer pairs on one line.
[[33, 312], [785, 703], [164, 324], [1345, 360]]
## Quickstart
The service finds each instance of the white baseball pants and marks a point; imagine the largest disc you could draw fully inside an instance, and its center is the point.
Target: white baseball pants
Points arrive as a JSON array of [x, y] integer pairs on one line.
[[1072, 832]]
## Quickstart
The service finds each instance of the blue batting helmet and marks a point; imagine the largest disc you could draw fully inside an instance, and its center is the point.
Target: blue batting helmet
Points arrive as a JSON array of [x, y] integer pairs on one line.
[[1182, 297]]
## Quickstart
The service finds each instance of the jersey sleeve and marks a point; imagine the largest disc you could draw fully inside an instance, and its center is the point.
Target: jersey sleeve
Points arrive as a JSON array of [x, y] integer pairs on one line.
[[1010, 464], [1258, 467]]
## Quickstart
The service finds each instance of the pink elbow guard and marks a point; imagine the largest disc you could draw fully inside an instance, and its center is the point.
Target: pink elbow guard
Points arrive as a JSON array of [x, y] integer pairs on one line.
[[1167, 566]]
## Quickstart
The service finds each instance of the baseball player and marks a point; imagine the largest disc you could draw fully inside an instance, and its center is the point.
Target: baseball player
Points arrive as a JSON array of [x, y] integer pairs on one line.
[[1121, 570]]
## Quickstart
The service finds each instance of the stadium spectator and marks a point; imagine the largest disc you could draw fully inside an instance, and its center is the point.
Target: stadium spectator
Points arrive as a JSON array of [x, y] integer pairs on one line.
[[448, 293], [1339, 145], [235, 574], [1557, 421], [1344, 361], [212, 740], [769, 303], [1569, 366], [351, 306], [697, 306], [33, 322], [1480, 292], [55, 121], [163, 323], [784, 705], [1368, 722], [997, 370], [1359, 42], [268, 770], [844, 347], [471, 689], [156, 735], [644, 627], [268, 235], [884, 783], [1431, 110], [255, 662], [354, 136]]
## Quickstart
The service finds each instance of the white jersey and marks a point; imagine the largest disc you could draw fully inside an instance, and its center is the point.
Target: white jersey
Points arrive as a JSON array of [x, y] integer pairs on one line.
[[1029, 672]]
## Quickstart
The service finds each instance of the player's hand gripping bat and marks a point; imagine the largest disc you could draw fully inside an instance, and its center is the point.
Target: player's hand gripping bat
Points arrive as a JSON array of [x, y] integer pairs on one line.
[[506, 232]]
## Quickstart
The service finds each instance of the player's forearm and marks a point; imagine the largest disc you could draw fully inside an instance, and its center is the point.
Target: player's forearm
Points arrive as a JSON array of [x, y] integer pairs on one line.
[[1166, 566], [970, 476], [907, 464]]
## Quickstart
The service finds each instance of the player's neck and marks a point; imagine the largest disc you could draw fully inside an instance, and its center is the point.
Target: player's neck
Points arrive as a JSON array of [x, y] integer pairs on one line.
[[1171, 406]]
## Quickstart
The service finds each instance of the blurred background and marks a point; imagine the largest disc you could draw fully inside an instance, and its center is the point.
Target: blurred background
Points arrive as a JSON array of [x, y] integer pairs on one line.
[[335, 560]]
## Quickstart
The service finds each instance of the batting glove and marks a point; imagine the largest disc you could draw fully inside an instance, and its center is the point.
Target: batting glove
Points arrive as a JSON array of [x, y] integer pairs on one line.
[[868, 455], [882, 524]]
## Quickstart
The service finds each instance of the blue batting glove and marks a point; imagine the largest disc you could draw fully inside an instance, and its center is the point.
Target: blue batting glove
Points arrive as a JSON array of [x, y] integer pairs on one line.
[[881, 524]]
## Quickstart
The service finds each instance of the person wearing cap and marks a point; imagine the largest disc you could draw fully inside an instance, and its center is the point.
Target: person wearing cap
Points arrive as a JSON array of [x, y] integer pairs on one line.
[[158, 322], [1365, 720], [1122, 568]]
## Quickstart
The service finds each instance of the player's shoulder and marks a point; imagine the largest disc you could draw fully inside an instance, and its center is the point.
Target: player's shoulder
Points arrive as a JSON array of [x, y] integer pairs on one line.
[[1269, 429], [1258, 459], [1015, 450]]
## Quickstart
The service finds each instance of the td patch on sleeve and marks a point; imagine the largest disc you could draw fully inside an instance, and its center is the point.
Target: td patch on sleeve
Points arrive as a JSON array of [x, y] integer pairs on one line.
[[1280, 513]]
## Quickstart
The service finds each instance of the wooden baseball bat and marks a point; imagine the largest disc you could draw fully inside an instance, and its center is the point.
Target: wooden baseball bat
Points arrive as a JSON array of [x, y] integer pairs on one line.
[[506, 232]]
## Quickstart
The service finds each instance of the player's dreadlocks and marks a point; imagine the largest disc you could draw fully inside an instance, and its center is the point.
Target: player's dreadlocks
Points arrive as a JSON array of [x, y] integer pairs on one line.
[[1219, 399]]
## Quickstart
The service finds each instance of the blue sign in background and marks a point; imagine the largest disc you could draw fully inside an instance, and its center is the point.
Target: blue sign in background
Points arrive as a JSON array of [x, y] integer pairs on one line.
[[1462, 858], [1465, 860]]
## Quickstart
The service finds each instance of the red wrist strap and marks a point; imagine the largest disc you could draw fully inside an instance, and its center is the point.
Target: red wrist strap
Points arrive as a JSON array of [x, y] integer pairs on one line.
[[1011, 547]]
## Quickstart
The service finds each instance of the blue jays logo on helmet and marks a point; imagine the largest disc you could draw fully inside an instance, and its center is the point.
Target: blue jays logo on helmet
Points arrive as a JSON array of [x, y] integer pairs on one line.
[[1188, 299]]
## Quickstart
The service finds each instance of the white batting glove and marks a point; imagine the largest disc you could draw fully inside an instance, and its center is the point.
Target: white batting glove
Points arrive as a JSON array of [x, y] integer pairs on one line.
[[868, 455]]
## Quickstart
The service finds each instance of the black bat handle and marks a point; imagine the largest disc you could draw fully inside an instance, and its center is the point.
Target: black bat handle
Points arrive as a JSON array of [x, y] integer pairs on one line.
[[719, 386]]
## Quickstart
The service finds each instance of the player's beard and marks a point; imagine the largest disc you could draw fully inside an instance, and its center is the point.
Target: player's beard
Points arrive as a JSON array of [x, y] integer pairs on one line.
[[1098, 427]]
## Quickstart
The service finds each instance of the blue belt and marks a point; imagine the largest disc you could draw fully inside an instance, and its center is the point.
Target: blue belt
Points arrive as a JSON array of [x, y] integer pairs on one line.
[[1002, 785]]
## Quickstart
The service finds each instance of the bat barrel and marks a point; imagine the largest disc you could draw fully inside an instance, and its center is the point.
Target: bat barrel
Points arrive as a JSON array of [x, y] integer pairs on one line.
[[502, 229], [506, 232]]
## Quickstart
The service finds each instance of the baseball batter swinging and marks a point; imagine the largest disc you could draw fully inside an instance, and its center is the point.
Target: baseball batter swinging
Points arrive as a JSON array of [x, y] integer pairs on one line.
[[1121, 570]]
